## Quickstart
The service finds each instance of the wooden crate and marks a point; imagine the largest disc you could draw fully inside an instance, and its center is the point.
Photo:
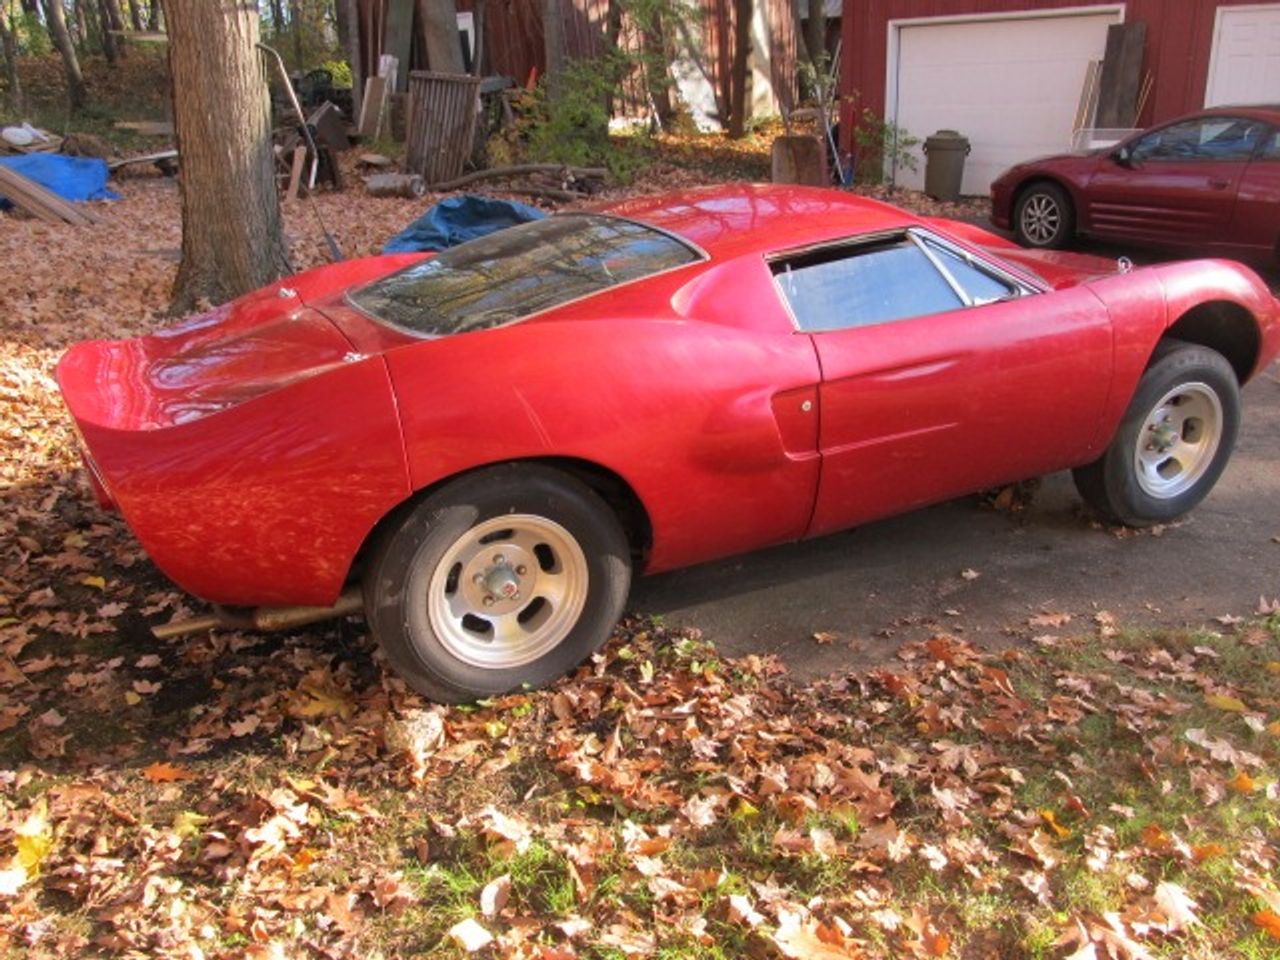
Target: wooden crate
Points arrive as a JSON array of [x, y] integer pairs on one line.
[[442, 123]]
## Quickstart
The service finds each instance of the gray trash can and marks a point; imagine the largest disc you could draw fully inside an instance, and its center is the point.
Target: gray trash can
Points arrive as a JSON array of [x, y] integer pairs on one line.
[[944, 168]]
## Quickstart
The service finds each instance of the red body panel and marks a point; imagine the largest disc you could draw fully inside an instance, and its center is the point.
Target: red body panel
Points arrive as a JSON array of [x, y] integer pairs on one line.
[[1225, 207], [253, 449]]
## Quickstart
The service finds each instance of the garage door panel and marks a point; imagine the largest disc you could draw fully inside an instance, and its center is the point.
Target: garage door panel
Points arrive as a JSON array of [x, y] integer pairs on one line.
[[1245, 66], [1010, 85]]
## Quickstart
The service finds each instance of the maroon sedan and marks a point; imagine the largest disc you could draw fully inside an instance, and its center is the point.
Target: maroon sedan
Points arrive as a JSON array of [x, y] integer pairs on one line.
[[1209, 181]]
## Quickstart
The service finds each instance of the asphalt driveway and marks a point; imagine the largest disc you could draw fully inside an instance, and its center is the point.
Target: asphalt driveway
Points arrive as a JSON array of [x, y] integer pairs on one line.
[[866, 591]]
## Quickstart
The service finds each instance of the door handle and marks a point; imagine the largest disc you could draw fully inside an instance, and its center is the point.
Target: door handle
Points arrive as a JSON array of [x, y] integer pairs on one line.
[[1219, 184]]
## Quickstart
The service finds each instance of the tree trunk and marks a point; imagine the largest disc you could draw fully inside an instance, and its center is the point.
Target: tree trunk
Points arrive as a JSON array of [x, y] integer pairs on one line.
[[554, 45], [231, 226], [439, 19], [57, 25], [815, 39], [658, 55], [277, 17], [9, 47], [135, 15], [348, 19], [153, 15], [478, 10], [295, 27], [110, 41], [738, 71]]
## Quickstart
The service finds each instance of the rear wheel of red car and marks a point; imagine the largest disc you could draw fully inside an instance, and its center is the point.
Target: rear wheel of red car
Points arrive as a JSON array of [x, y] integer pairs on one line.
[[505, 578], [1174, 441], [1044, 217]]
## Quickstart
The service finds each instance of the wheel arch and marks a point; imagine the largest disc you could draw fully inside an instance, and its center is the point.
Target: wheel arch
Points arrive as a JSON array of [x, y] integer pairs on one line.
[[1221, 325], [616, 492], [1041, 176]]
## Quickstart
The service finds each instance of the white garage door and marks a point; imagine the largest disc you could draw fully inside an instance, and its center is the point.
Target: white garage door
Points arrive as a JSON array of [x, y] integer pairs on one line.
[[1011, 85], [1245, 64]]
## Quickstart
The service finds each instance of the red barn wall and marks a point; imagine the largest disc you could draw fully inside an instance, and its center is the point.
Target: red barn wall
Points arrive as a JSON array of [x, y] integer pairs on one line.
[[1179, 40]]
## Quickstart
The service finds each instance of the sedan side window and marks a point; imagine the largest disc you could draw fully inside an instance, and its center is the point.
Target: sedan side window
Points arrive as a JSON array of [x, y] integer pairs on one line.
[[1209, 138], [842, 287], [1272, 150]]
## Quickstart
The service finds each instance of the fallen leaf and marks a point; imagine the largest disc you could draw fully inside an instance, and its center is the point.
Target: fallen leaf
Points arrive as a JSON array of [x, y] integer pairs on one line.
[[1269, 921], [470, 936], [1177, 906], [1222, 701], [1242, 783], [165, 772], [494, 895]]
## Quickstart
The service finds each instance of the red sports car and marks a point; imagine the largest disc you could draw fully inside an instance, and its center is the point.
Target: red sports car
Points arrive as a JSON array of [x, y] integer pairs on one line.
[[1209, 181], [485, 444]]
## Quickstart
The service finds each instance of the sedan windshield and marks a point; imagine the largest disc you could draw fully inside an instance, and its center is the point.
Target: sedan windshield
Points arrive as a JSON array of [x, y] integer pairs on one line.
[[518, 272]]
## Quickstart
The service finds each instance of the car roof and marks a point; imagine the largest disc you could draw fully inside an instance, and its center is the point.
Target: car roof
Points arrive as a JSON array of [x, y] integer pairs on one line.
[[729, 220], [1261, 111]]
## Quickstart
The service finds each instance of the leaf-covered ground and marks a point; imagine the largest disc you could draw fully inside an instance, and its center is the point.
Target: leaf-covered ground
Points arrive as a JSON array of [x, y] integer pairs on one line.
[[1092, 793]]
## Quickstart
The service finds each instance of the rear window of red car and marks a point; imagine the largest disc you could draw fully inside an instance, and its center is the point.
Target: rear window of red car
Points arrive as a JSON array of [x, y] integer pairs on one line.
[[520, 271]]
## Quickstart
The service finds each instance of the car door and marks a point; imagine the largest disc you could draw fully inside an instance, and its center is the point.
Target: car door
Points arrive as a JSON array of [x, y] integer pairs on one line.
[[942, 374], [1176, 184], [1255, 223]]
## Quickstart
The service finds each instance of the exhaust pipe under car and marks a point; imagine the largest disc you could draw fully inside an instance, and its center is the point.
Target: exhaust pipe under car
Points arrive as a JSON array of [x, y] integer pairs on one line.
[[263, 619]]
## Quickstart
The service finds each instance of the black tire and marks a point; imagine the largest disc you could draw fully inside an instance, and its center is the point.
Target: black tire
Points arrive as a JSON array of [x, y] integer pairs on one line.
[[406, 566], [1115, 486], [1044, 217]]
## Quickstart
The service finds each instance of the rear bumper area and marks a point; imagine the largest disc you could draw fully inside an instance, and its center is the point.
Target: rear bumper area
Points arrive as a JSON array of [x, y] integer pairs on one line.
[[264, 502]]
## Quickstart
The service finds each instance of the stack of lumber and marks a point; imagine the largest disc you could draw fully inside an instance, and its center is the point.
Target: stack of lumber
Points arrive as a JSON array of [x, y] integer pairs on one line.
[[42, 204]]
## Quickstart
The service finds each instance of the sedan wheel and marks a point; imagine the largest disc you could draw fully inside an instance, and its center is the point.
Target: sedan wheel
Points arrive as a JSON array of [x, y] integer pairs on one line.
[[505, 578], [1044, 217], [1174, 441]]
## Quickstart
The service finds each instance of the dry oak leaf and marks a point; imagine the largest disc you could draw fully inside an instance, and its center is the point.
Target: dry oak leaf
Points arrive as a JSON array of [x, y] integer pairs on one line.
[[318, 696], [802, 939], [1242, 783], [165, 772], [1177, 907]]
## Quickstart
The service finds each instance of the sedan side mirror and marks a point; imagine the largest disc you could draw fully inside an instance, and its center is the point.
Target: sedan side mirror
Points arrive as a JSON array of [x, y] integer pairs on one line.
[[1122, 156]]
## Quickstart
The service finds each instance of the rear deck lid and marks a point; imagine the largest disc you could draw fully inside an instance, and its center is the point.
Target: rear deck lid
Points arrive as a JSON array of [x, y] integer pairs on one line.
[[234, 353]]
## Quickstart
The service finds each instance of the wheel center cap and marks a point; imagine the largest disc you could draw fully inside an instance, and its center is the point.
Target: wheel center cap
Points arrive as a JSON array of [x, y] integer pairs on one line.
[[1165, 437], [502, 582]]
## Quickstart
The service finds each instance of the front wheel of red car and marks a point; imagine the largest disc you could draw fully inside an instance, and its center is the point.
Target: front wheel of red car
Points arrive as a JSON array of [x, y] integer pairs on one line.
[[1174, 441], [505, 578], [1043, 217]]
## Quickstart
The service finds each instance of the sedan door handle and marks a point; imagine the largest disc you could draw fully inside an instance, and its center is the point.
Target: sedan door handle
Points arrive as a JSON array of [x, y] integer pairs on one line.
[[1219, 184]]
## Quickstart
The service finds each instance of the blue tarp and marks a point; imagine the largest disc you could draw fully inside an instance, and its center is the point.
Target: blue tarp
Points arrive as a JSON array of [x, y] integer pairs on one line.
[[72, 178], [459, 219]]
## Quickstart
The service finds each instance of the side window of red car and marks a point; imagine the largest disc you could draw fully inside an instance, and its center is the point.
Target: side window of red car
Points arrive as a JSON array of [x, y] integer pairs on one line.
[[1208, 138], [884, 280], [1272, 149], [837, 288]]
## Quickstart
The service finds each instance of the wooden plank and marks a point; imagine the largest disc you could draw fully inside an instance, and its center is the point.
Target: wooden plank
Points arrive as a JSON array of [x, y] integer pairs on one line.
[[398, 36], [1121, 75], [44, 204], [144, 158], [295, 172], [371, 111], [330, 129]]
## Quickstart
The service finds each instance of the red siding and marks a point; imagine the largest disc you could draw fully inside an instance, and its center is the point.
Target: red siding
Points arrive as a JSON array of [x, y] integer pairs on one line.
[[1179, 39]]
